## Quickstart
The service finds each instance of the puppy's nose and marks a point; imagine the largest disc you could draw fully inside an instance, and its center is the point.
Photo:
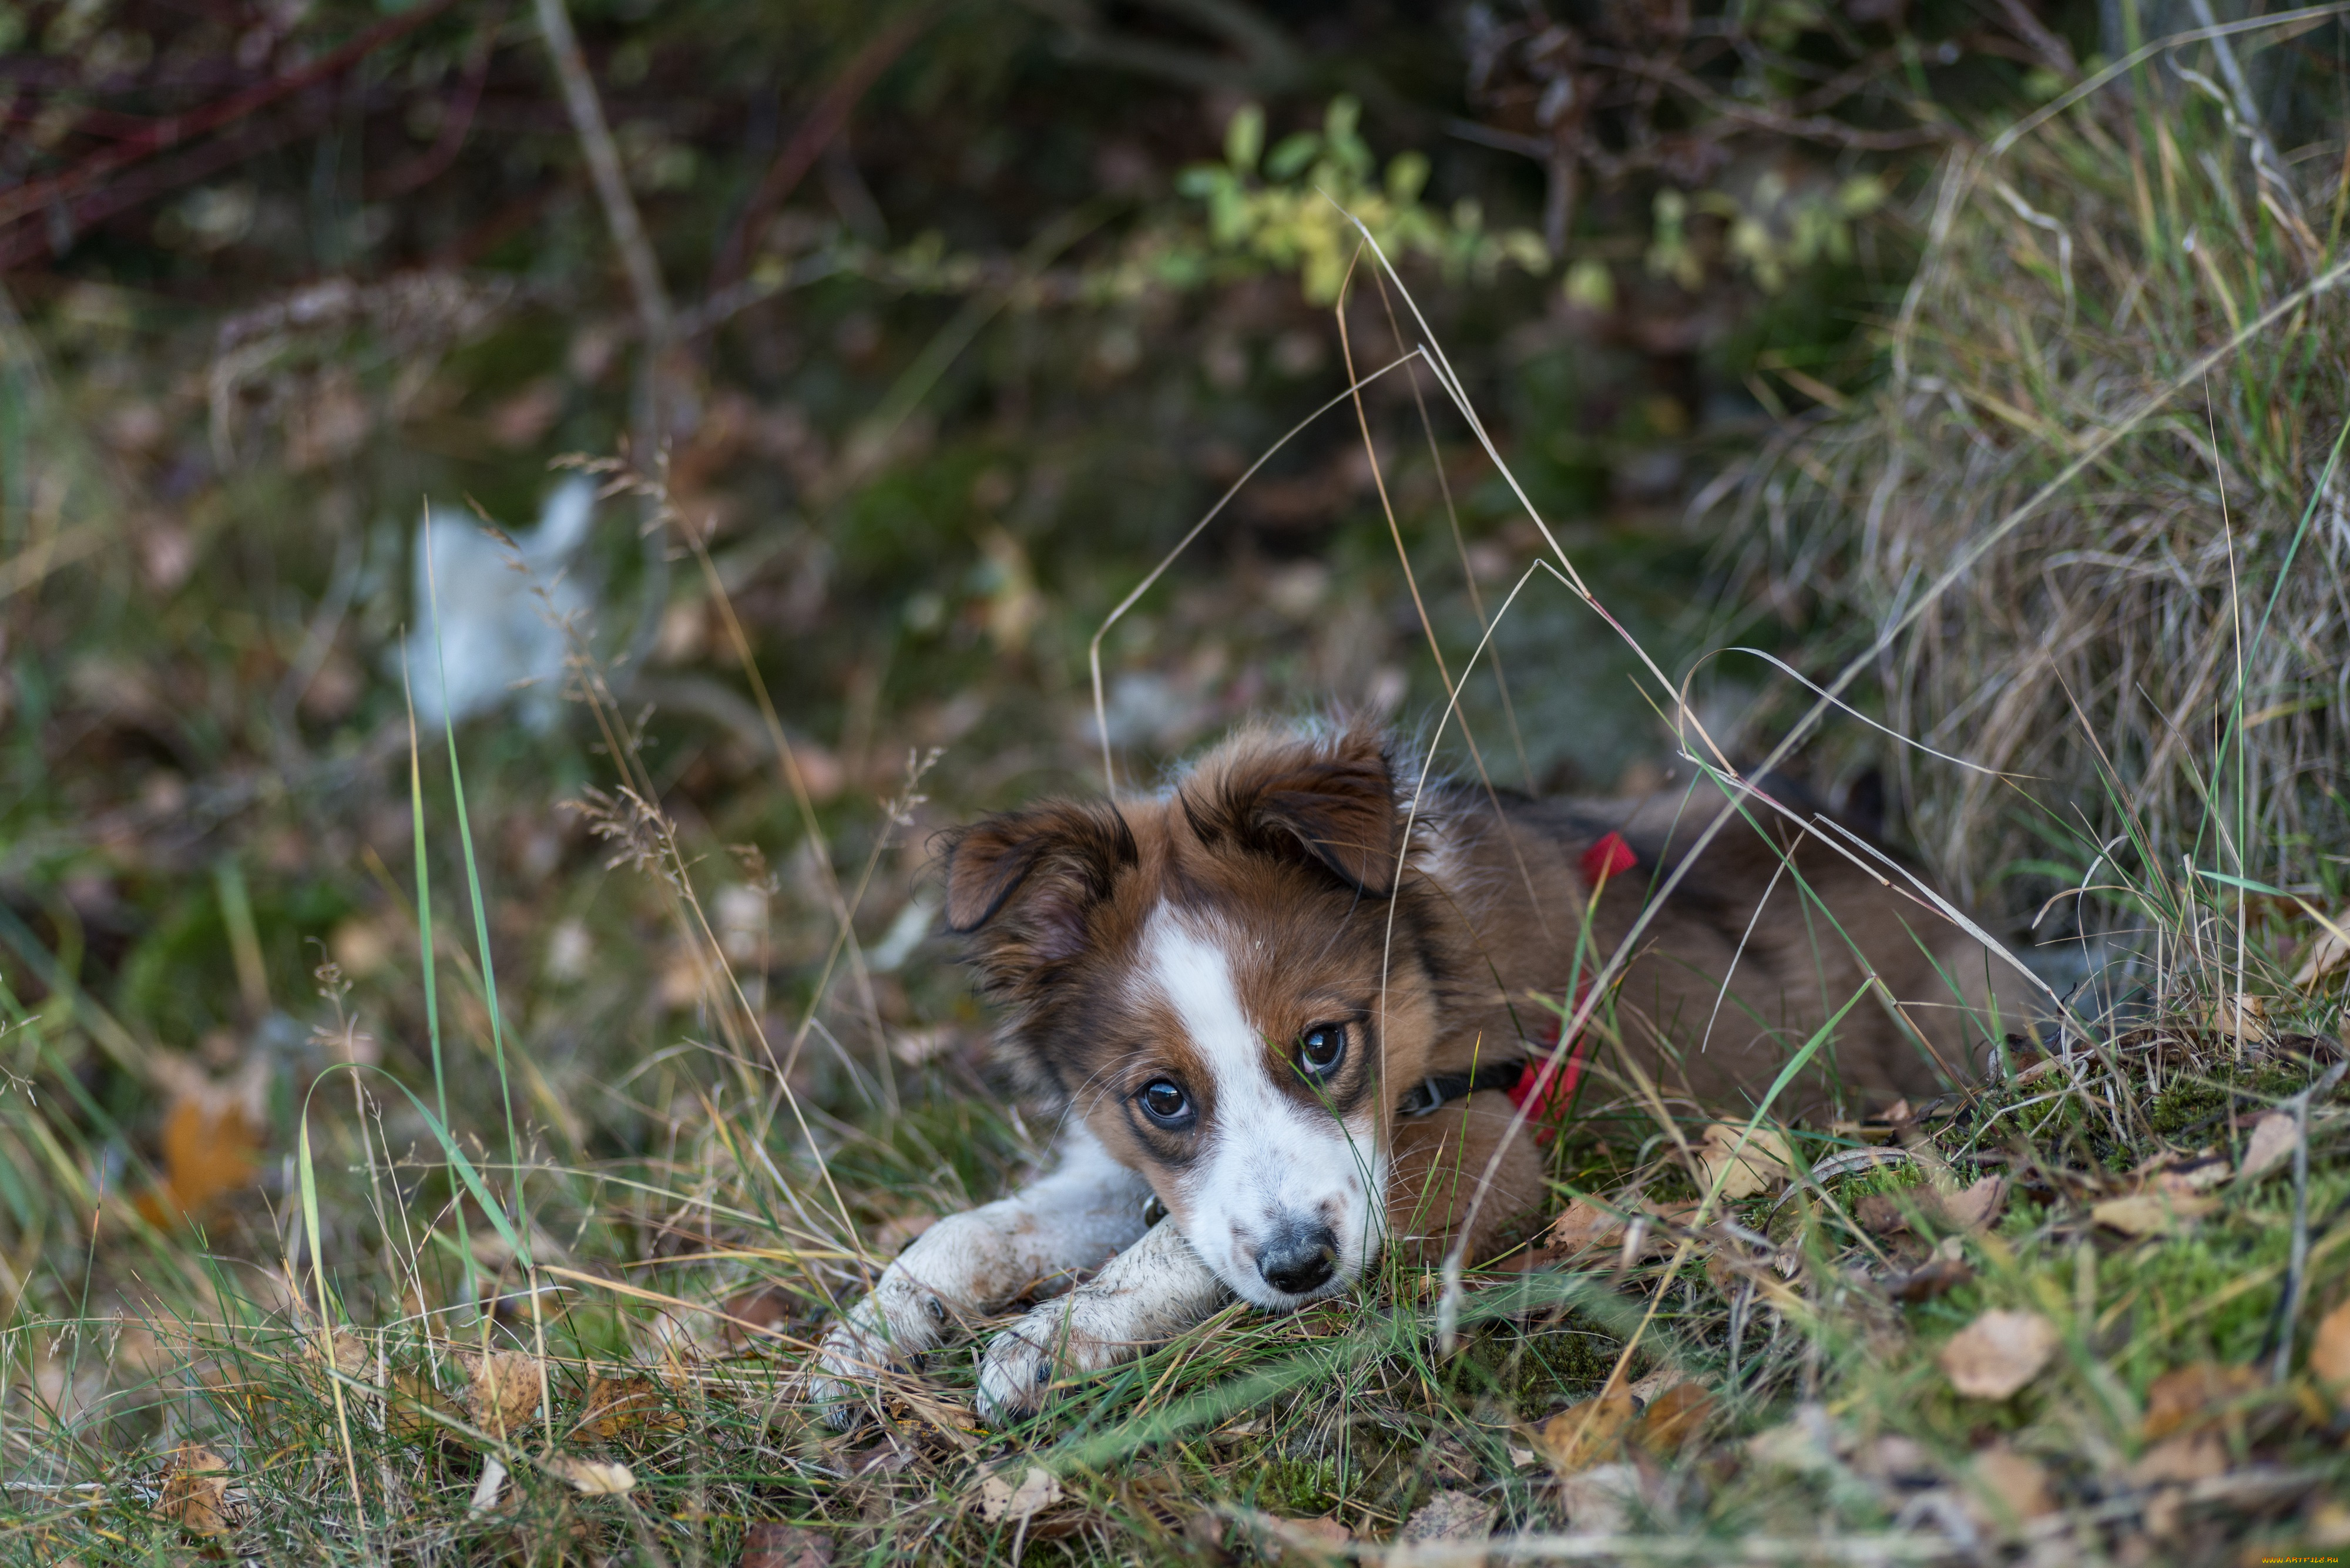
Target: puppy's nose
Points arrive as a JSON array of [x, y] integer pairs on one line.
[[1298, 1259]]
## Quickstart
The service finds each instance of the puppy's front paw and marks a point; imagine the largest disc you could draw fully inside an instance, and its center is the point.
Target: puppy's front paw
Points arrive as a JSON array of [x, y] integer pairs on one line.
[[1020, 1366], [886, 1332]]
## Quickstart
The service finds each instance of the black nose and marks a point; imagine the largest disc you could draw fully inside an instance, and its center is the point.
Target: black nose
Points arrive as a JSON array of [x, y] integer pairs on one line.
[[1298, 1259]]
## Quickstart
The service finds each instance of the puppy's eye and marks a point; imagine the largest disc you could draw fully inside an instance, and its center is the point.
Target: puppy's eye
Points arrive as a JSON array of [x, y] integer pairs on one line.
[[1164, 1102], [1321, 1048]]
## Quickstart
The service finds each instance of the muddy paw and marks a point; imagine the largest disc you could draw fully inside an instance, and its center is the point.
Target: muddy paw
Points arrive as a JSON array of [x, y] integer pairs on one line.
[[1017, 1370]]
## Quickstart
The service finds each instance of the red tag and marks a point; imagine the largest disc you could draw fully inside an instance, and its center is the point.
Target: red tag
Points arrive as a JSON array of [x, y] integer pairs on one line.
[[1608, 856], [1546, 1086]]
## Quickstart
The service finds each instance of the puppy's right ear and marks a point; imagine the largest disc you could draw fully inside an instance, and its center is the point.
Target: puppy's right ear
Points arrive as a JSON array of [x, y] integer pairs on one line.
[[1031, 877]]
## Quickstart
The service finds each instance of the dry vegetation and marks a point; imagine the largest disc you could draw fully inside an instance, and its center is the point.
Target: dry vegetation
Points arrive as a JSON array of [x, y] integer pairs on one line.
[[438, 1142]]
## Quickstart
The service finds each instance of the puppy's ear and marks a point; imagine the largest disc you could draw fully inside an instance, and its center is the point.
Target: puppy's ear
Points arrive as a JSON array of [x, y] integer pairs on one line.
[[1030, 878], [1331, 802]]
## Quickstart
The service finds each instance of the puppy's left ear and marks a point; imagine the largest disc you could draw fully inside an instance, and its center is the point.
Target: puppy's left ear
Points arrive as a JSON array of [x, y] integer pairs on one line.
[[1332, 801]]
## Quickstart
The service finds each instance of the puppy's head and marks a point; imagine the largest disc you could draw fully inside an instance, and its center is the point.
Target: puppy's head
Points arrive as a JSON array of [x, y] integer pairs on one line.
[[1225, 981]]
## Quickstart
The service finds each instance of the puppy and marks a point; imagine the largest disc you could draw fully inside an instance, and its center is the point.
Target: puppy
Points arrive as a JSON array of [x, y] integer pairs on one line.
[[1287, 1002]]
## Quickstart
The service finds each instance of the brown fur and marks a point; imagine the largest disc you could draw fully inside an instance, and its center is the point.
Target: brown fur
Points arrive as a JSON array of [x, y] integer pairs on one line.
[[1451, 936]]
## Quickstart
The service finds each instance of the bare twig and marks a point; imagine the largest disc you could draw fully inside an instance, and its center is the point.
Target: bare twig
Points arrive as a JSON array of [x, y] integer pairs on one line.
[[815, 133], [38, 196]]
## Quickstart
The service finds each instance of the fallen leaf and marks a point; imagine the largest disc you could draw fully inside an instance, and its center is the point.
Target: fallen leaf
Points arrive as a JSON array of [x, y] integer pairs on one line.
[[772, 1545], [1977, 1205], [1000, 1500], [2329, 1354], [195, 1490], [351, 1354], [209, 1151], [2015, 1487], [2184, 1459], [1449, 1516], [1937, 1275], [618, 1405], [2190, 1396], [1970, 1209], [502, 1391], [412, 1394], [1583, 1432], [1585, 1225], [1671, 1417], [1998, 1354], [1647, 1389], [2152, 1213], [596, 1477], [1306, 1540], [2270, 1146], [2327, 952], [1598, 1501], [2242, 1016], [1761, 1164]]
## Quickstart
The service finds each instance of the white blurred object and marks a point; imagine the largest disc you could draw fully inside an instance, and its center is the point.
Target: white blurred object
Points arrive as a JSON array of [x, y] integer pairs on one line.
[[497, 633]]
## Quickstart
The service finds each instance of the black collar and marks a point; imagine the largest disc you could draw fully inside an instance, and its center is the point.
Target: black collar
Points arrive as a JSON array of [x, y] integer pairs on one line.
[[1431, 1093]]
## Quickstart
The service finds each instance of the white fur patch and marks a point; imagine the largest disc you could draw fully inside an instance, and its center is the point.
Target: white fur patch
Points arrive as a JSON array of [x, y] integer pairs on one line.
[[1268, 1160]]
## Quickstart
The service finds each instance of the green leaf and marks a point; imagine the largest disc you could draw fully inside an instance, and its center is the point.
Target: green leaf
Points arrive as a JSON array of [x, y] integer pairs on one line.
[[1244, 138]]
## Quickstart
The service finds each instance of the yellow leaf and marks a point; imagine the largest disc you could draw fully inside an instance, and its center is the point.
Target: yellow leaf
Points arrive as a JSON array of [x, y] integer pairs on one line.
[[208, 1152], [2190, 1396], [2329, 1354], [1671, 1417], [1583, 1433], [1998, 1354], [1761, 1164], [502, 1393], [616, 1406]]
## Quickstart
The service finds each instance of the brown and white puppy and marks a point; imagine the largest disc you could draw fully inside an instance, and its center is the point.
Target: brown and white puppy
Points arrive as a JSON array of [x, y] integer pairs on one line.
[[1236, 987]]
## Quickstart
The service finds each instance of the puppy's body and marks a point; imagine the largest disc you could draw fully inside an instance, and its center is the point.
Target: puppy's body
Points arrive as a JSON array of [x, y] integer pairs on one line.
[[1238, 987]]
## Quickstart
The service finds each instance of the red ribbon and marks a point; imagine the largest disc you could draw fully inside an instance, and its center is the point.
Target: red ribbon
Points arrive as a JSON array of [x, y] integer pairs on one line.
[[1547, 1085]]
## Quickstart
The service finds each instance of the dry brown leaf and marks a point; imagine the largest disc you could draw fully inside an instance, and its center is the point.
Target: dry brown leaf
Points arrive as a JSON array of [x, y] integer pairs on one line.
[[596, 1477], [1969, 1209], [1586, 1225], [2327, 952], [1761, 1165], [1671, 1417], [195, 1490], [999, 1499], [618, 1405], [2186, 1459], [412, 1394], [502, 1391], [785, 1546], [1998, 1354], [1583, 1433], [209, 1149], [2270, 1146], [352, 1358], [2242, 1016], [1598, 1501], [1975, 1206], [2187, 1398], [1319, 1540], [2154, 1213], [1449, 1516], [2015, 1487], [2329, 1354]]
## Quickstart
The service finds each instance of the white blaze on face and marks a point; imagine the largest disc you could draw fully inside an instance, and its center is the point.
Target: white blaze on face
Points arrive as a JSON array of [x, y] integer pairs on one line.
[[1266, 1160]]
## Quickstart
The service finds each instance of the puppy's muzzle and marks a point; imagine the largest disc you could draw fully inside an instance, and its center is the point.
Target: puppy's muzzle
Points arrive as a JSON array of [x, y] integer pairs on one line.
[[1298, 1259]]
